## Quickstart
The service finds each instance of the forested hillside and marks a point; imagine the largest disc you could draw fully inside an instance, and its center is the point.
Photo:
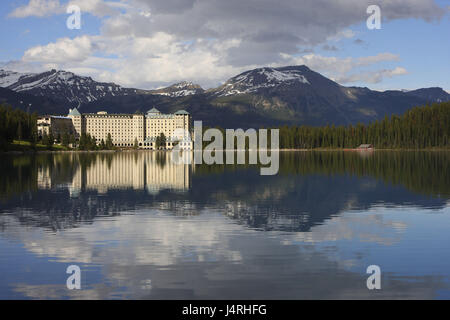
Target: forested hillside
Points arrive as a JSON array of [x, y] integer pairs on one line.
[[420, 127], [16, 124]]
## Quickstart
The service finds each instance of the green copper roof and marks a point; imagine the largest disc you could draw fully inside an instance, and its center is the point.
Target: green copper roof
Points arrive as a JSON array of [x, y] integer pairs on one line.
[[153, 110], [74, 112], [181, 112]]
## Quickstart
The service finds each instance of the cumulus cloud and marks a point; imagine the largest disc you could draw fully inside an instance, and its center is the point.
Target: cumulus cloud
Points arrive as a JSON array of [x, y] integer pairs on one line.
[[138, 62], [37, 8], [338, 68], [61, 51], [43, 8], [373, 76], [150, 62], [154, 42], [265, 27], [100, 8]]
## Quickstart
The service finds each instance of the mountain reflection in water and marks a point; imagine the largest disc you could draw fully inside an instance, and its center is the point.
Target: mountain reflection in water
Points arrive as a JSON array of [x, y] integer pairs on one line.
[[141, 226]]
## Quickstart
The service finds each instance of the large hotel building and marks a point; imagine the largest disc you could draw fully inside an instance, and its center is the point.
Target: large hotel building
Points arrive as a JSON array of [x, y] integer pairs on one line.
[[125, 129]]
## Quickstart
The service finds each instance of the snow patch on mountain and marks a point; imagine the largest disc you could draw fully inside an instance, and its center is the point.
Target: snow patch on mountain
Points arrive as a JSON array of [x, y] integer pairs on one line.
[[182, 89], [61, 85], [263, 78], [274, 75], [180, 93], [8, 78]]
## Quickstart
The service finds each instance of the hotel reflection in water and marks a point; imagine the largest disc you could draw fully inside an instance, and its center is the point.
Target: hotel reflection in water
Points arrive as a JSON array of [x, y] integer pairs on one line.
[[150, 171]]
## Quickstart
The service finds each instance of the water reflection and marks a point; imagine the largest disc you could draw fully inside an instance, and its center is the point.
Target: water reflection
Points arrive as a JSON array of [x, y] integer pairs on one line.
[[150, 171], [142, 227]]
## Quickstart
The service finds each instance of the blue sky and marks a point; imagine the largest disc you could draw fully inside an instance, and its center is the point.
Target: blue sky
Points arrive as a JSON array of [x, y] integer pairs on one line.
[[423, 49], [151, 43]]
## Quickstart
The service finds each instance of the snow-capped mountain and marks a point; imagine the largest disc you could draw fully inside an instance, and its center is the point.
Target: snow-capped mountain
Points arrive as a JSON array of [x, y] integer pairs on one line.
[[297, 94], [181, 89], [61, 86], [260, 97], [263, 78], [8, 78]]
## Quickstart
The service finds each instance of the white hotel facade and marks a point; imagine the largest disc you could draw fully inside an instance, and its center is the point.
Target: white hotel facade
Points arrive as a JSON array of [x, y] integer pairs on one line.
[[125, 129]]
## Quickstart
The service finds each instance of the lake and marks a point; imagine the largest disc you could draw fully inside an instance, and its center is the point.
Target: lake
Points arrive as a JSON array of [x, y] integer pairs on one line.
[[141, 227]]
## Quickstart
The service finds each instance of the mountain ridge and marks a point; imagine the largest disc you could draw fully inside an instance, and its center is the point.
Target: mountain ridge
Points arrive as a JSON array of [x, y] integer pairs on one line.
[[61, 86], [264, 96], [179, 89]]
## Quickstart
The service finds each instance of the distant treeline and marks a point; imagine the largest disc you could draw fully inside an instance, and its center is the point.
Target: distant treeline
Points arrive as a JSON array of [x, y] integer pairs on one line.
[[16, 124], [420, 127]]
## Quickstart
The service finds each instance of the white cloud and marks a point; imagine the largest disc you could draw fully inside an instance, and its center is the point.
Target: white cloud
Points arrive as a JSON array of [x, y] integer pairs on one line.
[[137, 62], [336, 65], [343, 34], [38, 8], [338, 69], [99, 8], [161, 59], [62, 51], [373, 76], [150, 62], [44, 8], [149, 43]]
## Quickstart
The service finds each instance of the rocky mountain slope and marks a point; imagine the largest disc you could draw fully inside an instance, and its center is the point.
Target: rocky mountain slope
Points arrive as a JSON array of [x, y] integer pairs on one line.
[[290, 95], [297, 94], [62, 86], [181, 89]]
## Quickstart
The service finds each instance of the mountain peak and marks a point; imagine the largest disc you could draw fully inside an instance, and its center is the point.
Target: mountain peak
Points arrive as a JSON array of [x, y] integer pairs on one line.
[[180, 89], [432, 94], [61, 85], [264, 78], [7, 78], [262, 96]]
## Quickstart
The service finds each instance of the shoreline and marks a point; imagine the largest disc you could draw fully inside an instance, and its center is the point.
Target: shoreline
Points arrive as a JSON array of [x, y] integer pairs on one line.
[[279, 150]]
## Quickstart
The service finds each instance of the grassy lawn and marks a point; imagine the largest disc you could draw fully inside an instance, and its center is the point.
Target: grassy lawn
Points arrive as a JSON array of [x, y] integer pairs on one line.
[[19, 145]]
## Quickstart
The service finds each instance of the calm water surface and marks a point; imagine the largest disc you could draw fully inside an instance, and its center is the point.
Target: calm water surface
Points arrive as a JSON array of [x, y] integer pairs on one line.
[[142, 227]]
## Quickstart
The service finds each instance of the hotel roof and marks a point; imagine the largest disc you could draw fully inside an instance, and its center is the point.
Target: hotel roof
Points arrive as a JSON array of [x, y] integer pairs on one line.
[[74, 112], [153, 110]]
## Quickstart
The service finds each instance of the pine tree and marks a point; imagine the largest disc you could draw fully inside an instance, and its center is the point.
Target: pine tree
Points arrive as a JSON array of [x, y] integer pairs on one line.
[[109, 142], [160, 141], [65, 139]]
